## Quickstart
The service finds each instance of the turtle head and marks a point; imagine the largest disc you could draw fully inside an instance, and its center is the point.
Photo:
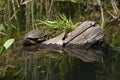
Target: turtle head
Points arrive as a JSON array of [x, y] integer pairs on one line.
[[27, 42], [32, 41]]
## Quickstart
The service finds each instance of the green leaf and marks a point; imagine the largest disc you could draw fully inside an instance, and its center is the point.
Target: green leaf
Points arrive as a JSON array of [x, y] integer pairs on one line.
[[103, 24], [2, 27], [13, 26], [8, 43], [1, 50], [74, 1], [51, 22]]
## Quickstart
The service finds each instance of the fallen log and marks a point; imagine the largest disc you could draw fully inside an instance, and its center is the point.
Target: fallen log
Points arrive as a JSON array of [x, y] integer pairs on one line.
[[83, 37]]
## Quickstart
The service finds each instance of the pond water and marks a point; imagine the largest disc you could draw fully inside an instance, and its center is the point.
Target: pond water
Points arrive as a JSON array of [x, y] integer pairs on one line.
[[32, 63]]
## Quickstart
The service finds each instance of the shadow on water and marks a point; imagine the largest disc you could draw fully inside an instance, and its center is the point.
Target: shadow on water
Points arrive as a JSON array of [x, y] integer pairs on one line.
[[32, 63]]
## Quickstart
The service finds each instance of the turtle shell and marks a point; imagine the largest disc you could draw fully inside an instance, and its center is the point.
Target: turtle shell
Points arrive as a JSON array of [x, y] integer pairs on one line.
[[34, 34], [33, 37]]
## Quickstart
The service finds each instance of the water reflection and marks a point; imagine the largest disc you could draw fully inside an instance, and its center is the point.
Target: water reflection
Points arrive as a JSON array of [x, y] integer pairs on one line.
[[87, 55], [32, 63]]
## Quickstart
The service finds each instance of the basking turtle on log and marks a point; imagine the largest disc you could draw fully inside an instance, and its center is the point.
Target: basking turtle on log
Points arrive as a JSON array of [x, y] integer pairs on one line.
[[83, 37], [33, 37]]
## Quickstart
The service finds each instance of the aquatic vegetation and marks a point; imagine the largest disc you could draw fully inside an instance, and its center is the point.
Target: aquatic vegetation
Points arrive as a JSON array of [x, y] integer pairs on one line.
[[60, 22]]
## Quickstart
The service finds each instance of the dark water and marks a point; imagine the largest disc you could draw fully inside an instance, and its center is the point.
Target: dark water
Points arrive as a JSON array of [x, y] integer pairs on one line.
[[32, 63]]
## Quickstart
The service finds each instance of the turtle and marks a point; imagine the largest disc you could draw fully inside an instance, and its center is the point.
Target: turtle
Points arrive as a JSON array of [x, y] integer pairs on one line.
[[33, 37]]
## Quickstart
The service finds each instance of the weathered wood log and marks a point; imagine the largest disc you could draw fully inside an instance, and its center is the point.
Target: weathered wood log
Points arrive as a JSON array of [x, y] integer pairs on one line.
[[83, 37], [54, 43]]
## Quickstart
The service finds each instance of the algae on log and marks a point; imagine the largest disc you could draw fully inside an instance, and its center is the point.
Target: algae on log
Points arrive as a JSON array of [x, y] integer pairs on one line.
[[83, 37]]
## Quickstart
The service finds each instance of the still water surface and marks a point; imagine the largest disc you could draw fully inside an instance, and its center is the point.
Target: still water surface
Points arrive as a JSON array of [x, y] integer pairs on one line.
[[32, 63]]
